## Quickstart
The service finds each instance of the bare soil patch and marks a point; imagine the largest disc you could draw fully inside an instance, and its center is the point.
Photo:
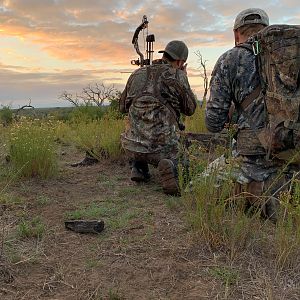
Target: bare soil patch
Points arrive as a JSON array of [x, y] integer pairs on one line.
[[147, 250]]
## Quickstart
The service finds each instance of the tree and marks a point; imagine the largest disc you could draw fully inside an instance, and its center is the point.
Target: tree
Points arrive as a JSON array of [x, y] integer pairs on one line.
[[24, 106], [8, 115], [91, 95], [203, 73]]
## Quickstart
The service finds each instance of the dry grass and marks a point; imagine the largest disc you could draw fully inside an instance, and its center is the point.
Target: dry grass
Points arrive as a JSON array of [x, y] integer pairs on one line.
[[101, 136], [246, 246], [196, 123], [153, 247], [32, 149]]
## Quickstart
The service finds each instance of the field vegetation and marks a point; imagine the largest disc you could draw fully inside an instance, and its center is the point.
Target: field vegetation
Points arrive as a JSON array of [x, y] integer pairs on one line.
[[202, 245]]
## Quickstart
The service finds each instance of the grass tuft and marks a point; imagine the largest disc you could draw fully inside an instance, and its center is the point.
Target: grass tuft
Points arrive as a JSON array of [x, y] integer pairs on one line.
[[196, 123], [32, 148], [99, 137], [31, 229]]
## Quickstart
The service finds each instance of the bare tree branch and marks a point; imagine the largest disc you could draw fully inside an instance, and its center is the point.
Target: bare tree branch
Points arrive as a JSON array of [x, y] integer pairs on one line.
[[24, 106], [72, 98], [203, 73], [92, 94]]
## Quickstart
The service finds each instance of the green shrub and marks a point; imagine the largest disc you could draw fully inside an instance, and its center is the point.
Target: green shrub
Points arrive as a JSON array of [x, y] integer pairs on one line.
[[62, 114], [101, 137], [87, 113], [32, 148], [110, 136], [113, 113], [64, 132], [196, 122], [113, 108], [6, 115]]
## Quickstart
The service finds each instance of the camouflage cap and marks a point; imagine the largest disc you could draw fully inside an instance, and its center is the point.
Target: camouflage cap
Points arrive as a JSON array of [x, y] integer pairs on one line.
[[177, 50], [243, 18]]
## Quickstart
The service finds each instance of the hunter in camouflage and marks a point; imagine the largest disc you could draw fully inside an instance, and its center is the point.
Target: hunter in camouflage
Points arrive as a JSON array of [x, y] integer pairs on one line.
[[154, 98], [235, 79]]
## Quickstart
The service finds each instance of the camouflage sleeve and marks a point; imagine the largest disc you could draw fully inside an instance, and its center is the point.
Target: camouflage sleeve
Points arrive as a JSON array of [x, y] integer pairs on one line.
[[125, 100], [188, 101], [122, 102], [221, 95]]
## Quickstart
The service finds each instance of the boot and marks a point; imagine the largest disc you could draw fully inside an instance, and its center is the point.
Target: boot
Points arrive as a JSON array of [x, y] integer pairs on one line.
[[136, 175], [168, 176], [140, 171]]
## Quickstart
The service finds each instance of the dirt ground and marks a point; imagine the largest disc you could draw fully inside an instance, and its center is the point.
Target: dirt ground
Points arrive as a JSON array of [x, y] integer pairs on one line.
[[147, 250]]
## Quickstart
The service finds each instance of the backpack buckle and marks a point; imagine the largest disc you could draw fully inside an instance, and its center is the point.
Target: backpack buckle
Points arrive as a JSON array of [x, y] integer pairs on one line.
[[256, 48]]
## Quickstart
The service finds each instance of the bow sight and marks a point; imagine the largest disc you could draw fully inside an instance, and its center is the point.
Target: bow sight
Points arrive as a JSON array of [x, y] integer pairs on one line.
[[150, 39]]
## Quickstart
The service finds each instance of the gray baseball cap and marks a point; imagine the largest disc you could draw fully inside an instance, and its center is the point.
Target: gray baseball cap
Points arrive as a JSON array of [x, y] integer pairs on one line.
[[243, 18], [177, 50]]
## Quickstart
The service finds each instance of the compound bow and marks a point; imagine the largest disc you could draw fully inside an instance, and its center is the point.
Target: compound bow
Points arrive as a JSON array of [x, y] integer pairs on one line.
[[150, 39]]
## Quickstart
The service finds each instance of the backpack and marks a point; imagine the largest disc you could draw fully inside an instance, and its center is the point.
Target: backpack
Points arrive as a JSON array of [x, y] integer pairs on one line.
[[277, 49], [151, 91]]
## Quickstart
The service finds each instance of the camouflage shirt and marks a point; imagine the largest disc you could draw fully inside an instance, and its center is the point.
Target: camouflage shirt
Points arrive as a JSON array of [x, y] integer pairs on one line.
[[154, 97], [234, 77]]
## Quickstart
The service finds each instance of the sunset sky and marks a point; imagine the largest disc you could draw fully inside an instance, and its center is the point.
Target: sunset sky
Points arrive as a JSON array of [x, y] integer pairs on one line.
[[48, 46]]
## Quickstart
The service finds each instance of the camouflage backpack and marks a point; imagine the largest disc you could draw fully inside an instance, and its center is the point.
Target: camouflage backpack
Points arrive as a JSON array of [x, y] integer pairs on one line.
[[277, 48]]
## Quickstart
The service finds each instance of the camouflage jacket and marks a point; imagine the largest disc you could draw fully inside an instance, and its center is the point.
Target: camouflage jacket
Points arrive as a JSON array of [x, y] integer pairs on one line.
[[234, 77], [154, 97]]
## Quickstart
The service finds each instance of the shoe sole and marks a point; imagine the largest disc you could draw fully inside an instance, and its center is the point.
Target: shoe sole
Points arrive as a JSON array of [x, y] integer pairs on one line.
[[168, 177]]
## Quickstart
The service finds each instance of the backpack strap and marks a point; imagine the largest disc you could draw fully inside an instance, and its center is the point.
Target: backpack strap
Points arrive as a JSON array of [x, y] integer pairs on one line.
[[251, 97], [256, 92], [166, 103], [246, 46]]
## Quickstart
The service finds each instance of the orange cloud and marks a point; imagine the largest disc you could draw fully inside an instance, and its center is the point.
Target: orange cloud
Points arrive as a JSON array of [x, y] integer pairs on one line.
[[98, 33]]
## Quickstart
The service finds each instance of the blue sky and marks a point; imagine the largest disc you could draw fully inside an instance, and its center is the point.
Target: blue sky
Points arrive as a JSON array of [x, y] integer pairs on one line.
[[48, 46]]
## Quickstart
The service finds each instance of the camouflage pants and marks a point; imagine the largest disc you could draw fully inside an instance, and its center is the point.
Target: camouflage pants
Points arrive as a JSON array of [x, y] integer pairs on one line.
[[150, 158]]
